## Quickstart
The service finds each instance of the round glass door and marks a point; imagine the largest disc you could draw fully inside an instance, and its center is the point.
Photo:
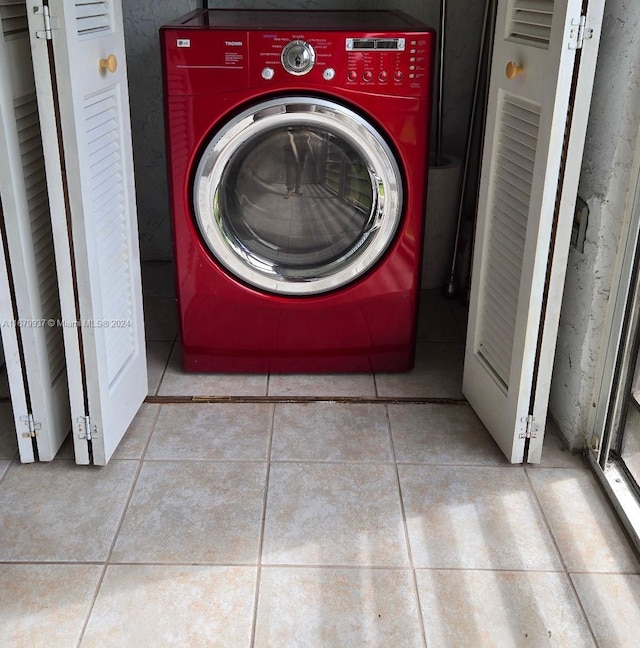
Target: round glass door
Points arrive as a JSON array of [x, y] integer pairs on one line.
[[298, 196]]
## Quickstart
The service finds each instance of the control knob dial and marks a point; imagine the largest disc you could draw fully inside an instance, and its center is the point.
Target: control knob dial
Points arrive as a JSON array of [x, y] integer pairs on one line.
[[298, 57]]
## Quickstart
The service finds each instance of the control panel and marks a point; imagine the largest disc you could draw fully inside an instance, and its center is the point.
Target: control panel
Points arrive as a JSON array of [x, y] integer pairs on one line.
[[392, 62], [384, 64]]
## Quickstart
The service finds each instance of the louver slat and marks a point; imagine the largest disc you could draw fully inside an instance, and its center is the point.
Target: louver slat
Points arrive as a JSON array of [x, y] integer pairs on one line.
[[508, 245], [522, 162], [501, 313], [531, 22], [508, 214], [521, 126], [92, 18], [507, 278], [511, 208], [498, 317], [522, 114], [509, 170], [505, 187], [32, 159], [13, 16], [519, 148], [507, 228], [110, 219], [507, 173]]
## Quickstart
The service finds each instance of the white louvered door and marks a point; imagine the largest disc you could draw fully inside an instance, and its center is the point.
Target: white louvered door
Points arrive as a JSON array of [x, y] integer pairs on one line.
[[85, 119], [537, 116], [14, 363], [30, 302]]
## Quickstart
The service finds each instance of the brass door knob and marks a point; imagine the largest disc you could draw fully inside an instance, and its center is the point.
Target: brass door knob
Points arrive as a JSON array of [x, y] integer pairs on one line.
[[513, 69], [110, 63]]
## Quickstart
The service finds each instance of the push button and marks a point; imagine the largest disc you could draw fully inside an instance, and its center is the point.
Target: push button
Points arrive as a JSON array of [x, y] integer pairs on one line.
[[328, 74]]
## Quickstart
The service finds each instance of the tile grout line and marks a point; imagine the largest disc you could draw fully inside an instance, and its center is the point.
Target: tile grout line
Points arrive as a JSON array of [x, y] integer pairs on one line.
[[256, 596], [106, 563], [565, 568], [328, 462], [414, 578], [319, 566]]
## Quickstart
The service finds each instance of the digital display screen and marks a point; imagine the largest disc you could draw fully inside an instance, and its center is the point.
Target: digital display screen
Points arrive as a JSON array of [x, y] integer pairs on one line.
[[373, 44], [362, 43]]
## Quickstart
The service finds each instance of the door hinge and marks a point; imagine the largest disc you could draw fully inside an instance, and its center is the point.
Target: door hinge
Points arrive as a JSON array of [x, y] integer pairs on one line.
[[579, 33], [33, 426], [49, 22], [528, 427], [86, 429]]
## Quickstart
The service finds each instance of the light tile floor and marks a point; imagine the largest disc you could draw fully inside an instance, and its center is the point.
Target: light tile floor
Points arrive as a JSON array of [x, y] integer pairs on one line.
[[315, 524]]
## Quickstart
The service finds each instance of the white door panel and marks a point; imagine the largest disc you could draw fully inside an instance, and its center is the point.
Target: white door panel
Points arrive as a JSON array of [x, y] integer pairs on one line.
[[14, 362], [527, 197], [28, 242], [90, 162]]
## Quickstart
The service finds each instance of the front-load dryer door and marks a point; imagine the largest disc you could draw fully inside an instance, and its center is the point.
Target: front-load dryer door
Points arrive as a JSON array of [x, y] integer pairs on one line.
[[298, 196]]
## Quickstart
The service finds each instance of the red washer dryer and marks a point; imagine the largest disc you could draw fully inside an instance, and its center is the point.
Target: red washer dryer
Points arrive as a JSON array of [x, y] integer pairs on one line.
[[297, 150]]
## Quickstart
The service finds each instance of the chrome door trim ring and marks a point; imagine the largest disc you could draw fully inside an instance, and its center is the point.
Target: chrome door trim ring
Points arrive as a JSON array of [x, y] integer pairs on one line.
[[298, 111]]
